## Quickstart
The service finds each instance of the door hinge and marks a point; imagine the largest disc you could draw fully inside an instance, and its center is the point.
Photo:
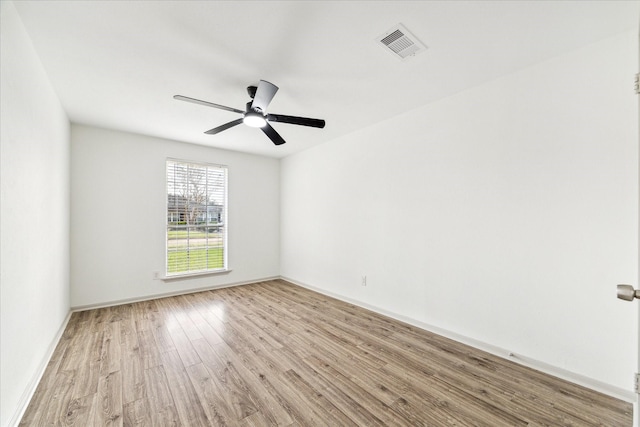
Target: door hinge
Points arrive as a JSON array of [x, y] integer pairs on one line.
[[636, 85], [636, 383]]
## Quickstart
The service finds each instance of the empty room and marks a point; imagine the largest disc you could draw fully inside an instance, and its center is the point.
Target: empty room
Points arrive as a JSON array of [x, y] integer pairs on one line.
[[319, 213]]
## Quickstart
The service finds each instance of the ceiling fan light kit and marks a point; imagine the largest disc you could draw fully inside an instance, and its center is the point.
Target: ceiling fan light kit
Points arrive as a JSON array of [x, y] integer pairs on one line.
[[254, 119], [255, 113]]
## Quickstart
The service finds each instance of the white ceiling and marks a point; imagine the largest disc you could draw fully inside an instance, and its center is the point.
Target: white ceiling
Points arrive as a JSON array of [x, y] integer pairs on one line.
[[117, 64]]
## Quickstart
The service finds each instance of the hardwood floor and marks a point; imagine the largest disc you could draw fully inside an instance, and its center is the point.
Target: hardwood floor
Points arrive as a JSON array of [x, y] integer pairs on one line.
[[273, 353]]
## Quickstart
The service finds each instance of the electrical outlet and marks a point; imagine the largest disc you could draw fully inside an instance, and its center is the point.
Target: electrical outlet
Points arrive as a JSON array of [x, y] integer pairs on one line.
[[364, 281], [636, 383], [156, 275]]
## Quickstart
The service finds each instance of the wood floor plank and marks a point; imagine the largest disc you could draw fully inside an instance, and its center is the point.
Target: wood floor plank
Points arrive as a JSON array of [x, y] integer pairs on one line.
[[144, 309], [350, 406], [234, 390], [131, 363], [355, 392], [159, 398], [88, 371], [75, 348], [339, 349], [108, 411], [259, 336], [47, 383], [80, 411], [239, 339], [210, 395], [212, 311], [119, 312], [205, 328], [316, 401], [127, 323], [181, 315], [186, 401], [233, 308], [255, 420], [273, 353], [136, 414], [414, 414], [160, 330], [54, 408], [110, 357], [266, 404], [269, 372], [178, 337], [147, 346]]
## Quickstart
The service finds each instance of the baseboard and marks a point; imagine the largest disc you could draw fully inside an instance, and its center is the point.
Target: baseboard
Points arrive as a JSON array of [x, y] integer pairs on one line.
[[166, 294], [30, 390], [582, 380]]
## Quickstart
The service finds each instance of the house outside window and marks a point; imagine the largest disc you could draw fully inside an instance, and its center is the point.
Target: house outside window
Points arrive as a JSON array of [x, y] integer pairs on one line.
[[196, 218]]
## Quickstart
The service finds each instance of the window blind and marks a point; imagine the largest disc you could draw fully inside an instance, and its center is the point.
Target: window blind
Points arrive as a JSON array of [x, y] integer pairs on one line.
[[196, 217]]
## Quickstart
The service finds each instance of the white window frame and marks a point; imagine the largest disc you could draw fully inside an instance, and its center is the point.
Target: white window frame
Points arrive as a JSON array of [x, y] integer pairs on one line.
[[171, 244]]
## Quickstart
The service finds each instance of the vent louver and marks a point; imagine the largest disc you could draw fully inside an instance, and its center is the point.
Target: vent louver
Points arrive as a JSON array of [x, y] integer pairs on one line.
[[400, 42]]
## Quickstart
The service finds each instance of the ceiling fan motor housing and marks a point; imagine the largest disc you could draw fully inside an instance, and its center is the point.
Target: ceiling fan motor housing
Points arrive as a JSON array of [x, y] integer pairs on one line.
[[250, 107]]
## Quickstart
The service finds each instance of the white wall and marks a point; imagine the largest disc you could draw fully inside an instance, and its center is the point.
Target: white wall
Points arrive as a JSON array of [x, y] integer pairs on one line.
[[118, 215], [507, 213], [34, 241]]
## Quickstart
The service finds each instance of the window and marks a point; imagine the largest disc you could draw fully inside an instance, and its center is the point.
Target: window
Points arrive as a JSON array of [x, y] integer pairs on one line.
[[196, 218]]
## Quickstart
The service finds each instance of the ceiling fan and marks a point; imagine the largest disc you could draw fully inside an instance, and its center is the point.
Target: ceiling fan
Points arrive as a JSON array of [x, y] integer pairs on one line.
[[255, 114]]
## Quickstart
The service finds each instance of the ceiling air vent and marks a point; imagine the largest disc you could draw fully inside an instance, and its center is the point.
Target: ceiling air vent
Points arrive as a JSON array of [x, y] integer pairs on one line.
[[400, 42]]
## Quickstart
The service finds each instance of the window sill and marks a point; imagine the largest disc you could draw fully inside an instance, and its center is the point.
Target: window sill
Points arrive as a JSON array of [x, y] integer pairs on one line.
[[193, 275]]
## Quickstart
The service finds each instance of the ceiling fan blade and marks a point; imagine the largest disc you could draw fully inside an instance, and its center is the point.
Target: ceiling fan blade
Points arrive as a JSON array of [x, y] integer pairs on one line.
[[224, 127], [208, 104], [264, 94], [272, 134], [303, 121]]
